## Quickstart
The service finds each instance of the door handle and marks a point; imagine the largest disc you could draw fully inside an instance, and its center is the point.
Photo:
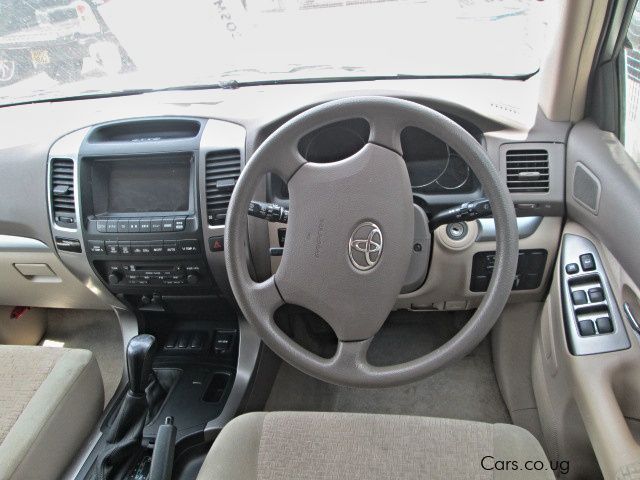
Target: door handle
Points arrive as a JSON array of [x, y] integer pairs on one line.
[[632, 319]]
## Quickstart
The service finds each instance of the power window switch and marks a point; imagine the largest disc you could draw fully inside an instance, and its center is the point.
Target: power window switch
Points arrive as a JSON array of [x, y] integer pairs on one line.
[[579, 297], [586, 328], [588, 262], [596, 295], [604, 325]]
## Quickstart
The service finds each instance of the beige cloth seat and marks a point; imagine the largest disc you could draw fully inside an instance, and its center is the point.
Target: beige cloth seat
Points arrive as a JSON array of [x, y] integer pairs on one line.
[[333, 446], [50, 399]]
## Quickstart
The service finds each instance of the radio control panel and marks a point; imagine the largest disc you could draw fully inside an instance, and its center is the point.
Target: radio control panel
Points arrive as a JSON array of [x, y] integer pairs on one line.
[[144, 248], [166, 275], [137, 225], [148, 255]]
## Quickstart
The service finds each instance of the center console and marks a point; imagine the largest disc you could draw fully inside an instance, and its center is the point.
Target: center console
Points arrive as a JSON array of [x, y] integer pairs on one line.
[[137, 210], [135, 204]]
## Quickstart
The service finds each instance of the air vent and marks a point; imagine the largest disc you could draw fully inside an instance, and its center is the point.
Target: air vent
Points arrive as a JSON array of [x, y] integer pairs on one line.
[[222, 172], [62, 194], [528, 171]]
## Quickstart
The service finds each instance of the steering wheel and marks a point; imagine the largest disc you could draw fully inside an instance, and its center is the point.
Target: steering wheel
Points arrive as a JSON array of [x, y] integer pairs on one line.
[[350, 236]]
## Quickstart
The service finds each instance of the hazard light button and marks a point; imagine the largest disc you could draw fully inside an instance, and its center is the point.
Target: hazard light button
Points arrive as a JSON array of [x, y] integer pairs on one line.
[[216, 244]]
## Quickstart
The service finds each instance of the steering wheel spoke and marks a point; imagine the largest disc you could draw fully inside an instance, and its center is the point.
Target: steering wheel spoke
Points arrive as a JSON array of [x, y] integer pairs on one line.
[[266, 295]]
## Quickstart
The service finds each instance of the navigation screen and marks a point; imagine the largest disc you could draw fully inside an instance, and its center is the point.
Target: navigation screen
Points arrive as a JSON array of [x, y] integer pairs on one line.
[[136, 185]]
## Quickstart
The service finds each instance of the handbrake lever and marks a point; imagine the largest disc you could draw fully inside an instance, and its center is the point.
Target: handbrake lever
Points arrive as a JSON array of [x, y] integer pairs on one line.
[[163, 450]]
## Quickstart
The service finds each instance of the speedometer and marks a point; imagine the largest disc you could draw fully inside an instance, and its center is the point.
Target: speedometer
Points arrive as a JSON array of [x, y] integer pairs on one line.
[[425, 155], [455, 174]]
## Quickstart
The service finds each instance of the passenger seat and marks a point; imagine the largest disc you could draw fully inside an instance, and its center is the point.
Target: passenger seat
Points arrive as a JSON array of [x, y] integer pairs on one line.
[[50, 399]]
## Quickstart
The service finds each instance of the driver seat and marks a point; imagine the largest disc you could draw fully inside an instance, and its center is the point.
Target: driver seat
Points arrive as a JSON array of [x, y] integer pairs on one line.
[[356, 446]]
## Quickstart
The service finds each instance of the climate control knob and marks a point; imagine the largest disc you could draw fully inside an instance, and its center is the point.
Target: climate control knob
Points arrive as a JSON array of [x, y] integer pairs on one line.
[[115, 277], [192, 279]]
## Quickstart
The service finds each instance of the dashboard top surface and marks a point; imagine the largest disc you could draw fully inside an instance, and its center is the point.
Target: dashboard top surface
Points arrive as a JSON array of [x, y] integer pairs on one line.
[[497, 108]]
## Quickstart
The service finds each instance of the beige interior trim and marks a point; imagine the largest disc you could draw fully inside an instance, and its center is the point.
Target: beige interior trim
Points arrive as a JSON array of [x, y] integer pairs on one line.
[[449, 275], [565, 74], [37, 278], [605, 388]]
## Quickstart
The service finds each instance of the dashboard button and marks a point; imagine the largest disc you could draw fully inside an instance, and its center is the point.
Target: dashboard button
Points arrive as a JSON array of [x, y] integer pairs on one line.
[[124, 248], [480, 283], [96, 246], [101, 226], [145, 225], [123, 226], [179, 223], [216, 244], [111, 247], [156, 224], [170, 247], [572, 268], [134, 225], [138, 248], [588, 262], [188, 246], [167, 224], [112, 226], [157, 248]]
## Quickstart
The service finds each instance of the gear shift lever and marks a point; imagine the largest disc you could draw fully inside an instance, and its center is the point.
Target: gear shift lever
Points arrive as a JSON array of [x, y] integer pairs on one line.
[[140, 352], [124, 434]]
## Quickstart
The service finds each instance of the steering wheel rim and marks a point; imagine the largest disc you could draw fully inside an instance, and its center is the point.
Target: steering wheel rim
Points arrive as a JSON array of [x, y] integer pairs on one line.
[[306, 238]]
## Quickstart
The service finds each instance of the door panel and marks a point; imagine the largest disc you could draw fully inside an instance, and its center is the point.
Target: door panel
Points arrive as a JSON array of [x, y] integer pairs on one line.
[[590, 403], [612, 178]]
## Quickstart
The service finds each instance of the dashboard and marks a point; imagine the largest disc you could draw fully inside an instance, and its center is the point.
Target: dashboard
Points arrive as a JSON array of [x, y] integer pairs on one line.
[[134, 208]]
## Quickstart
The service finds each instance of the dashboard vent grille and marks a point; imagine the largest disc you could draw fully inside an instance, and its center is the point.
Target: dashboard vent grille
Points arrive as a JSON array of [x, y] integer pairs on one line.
[[528, 171], [222, 172], [62, 193]]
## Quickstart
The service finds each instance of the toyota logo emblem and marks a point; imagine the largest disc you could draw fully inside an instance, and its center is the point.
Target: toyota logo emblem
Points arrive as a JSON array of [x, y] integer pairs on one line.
[[365, 246]]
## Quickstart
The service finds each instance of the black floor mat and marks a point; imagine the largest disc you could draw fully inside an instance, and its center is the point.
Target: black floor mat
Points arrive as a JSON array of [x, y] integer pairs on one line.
[[466, 389]]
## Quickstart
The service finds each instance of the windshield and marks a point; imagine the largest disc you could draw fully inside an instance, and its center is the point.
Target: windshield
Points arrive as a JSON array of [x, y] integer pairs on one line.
[[61, 48]]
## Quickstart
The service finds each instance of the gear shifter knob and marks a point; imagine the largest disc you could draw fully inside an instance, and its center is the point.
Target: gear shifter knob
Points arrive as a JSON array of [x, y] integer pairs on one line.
[[140, 352]]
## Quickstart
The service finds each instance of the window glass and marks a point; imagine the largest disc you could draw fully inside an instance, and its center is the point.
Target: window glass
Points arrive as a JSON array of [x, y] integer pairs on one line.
[[632, 88], [62, 48]]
